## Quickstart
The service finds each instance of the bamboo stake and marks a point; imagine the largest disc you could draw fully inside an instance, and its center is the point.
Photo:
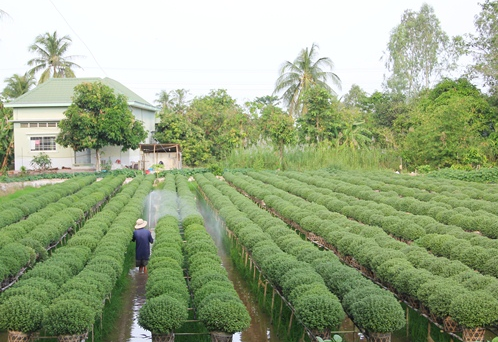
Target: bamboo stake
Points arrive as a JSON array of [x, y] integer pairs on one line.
[[272, 302], [290, 322]]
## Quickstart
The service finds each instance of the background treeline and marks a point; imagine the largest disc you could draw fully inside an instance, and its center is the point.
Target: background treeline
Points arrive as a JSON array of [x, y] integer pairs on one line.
[[438, 107]]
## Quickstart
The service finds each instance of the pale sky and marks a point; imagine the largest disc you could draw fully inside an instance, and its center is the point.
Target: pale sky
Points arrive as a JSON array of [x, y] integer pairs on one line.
[[199, 45]]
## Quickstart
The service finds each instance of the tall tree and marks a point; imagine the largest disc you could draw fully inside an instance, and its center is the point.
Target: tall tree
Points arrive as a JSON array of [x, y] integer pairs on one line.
[[18, 85], [176, 128], [484, 47], [303, 73], [321, 120], [6, 137], [419, 52], [98, 118], [222, 120], [449, 127], [164, 100], [52, 60], [279, 127]]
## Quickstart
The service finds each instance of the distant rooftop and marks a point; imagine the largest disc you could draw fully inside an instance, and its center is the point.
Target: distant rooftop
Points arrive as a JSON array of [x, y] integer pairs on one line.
[[59, 92]]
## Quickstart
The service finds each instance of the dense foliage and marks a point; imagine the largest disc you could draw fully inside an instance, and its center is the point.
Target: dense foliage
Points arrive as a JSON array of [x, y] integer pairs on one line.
[[98, 118]]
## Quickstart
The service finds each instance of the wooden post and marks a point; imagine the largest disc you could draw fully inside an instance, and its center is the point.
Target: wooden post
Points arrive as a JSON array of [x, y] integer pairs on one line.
[[407, 321], [264, 296], [272, 302], [290, 323], [254, 275]]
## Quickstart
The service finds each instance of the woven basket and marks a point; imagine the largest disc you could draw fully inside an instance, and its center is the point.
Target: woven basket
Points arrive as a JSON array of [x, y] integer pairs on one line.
[[379, 337], [72, 338], [473, 335], [18, 336], [450, 325], [218, 336], [163, 338]]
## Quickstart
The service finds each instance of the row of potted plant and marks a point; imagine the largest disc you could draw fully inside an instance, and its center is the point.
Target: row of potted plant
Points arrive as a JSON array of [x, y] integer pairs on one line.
[[216, 302], [313, 304], [415, 186], [477, 252], [57, 294], [468, 214], [371, 307], [14, 210], [22, 243], [399, 265], [166, 307], [76, 307]]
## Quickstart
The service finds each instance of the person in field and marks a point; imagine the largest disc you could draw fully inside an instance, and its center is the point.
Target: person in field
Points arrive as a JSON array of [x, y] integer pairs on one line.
[[143, 238]]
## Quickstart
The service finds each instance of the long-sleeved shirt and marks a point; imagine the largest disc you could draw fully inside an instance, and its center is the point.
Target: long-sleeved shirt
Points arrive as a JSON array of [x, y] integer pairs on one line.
[[143, 237]]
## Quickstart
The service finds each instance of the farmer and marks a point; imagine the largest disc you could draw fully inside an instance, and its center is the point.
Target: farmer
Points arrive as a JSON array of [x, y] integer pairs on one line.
[[142, 250]]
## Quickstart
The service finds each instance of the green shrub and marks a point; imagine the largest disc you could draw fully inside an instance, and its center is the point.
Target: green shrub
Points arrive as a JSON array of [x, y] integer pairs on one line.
[[201, 279], [474, 309], [55, 274], [89, 300], [38, 295], [21, 313], [68, 317], [440, 299], [226, 316], [301, 290], [378, 314], [162, 314], [319, 312], [213, 287], [174, 288]]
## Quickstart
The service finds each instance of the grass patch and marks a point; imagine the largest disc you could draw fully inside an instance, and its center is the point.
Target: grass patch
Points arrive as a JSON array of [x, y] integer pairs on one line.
[[304, 158], [13, 193]]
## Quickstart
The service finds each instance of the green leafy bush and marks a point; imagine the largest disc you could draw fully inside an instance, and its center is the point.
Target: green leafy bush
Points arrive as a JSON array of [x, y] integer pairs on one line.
[[376, 314], [21, 313], [319, 312], [68, 317], [226, 316], [474, 309], [162, 314]]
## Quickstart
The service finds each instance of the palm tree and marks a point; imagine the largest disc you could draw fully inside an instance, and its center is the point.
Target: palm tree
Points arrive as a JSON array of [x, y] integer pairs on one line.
[[18, 85], [164, 99], [51, 58], [298, 76]]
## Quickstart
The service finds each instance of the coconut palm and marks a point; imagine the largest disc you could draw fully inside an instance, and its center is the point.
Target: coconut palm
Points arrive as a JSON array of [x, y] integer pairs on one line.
[[164, 99], [51, 51], [18, 85], [298, 76]]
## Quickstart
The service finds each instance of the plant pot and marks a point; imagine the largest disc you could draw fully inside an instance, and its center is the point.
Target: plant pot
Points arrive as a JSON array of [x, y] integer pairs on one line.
[[72, 338], [379, 337], [163, 338], [18, 336], [450, 325], [218, 336], [473, 335]]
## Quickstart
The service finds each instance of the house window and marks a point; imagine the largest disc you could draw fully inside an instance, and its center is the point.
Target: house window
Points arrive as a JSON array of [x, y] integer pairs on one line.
[[42, 143], [38, 124]]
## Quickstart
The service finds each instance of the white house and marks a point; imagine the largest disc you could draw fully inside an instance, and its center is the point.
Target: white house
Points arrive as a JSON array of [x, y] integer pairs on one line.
[[37, 113]]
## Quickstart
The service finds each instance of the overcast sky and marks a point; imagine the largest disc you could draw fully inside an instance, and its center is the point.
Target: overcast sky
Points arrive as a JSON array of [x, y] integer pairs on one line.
[[199, 45]]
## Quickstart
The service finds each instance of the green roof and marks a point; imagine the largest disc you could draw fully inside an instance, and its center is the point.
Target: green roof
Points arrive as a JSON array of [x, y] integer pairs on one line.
[[59, 92]]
